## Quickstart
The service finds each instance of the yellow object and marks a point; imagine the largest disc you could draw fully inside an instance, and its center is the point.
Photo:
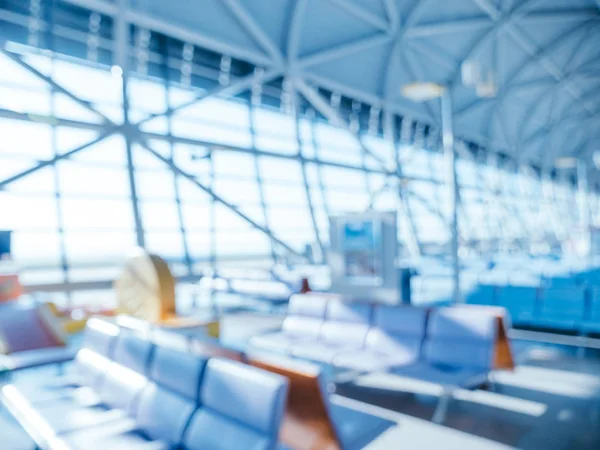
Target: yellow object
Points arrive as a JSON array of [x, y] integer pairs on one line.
[[146, 288], [73, 326], [211, 326], [66, 323], [53, 323], [146, 291]]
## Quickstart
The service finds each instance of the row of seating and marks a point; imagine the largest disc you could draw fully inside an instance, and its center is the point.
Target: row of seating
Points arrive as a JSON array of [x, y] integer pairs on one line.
[[126, 392], [271, 293], [574, 309], [449, 346], [436, 288]]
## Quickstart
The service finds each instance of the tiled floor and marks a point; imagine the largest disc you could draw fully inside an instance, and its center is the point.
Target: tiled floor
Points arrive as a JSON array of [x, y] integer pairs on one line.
[[550, 402]]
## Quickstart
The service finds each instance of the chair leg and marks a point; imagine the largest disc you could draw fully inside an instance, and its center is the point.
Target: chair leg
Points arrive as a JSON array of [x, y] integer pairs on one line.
[[439, 415]]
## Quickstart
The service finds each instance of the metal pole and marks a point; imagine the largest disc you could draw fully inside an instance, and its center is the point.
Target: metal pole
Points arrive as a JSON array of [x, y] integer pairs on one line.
[[582, 186], [450, 155], [122, 60]]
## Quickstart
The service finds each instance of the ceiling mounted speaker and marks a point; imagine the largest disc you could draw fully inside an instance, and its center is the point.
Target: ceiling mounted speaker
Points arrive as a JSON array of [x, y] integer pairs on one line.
[[471, 73]]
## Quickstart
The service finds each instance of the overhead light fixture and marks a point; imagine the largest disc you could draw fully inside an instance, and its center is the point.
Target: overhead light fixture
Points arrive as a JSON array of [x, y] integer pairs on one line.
[[566, 162], [116, 71], [422, 91]]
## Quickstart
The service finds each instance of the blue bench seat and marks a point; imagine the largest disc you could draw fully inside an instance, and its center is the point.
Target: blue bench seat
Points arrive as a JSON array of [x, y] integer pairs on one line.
[[482, 294], [591, 323], [151, 397], [345, 329], [306, 314], [520, 302], [394, 339], [561, 309], [458, 349]]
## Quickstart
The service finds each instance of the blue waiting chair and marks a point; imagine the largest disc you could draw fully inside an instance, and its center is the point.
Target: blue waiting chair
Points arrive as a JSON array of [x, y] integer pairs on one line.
[[159, 398], [482, 294], [395, 338], [520, 302], [561, 309], [345, 329], [591, 323]]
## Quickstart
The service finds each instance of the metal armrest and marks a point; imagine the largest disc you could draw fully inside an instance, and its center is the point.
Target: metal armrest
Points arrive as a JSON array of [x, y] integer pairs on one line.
[[41, 357]]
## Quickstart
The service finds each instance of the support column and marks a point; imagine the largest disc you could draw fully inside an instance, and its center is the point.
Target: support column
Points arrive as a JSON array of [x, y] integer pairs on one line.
[[121, 52], [295, 103], [450, 155], [582, 187]]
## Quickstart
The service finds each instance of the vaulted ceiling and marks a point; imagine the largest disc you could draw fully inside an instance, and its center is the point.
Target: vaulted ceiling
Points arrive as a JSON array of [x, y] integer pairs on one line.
[[543, 54]]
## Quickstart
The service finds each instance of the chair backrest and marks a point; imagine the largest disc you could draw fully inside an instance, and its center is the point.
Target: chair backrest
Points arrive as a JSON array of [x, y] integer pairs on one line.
[[561, 281], [461, 337], [311, 420], [481, 294], [519, 301], [565, 304], [594, 311], [126, 376], [94, 358], [241, 407], [306, 313], [169, 400], [346, 322], [397, 328]]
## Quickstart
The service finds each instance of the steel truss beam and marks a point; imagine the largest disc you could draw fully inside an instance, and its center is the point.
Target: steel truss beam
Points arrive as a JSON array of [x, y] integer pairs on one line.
[[176, 31], [217, 197], [42, 118], [238, 86], [8, 181], [391, 10], [250, 25], [254, 151], [121, 51], [553, 128], [528, 46], [508, 87], [433, 53], [387, 87], [416, 73], [389, 130], [319, 103], [57, 87], [476, 23], [302, 161], [456, 26], [362, 13], [295, 30], [345, 49], [324, 108]]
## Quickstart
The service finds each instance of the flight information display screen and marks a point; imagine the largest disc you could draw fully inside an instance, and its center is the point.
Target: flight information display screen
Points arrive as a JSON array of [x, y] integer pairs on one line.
[[361, 246]]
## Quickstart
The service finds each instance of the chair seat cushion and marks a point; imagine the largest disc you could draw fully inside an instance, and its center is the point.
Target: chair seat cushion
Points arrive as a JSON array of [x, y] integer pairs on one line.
[[555, 323], [119, 435], [356, 428], [279, 342], [49, 388], [41, 357], [319, 351], [81, 409], [371, 361], [444, 375], [591, 327]]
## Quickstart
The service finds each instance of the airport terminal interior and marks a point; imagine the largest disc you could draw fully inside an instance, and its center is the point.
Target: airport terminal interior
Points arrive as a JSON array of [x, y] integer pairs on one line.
[[299, 224]]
